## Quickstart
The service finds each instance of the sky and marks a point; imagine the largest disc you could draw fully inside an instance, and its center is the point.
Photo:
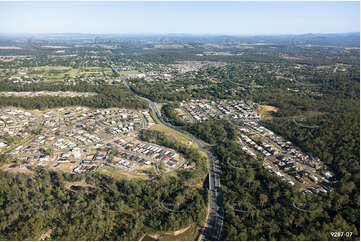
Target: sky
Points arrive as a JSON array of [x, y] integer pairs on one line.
[[232, 18]]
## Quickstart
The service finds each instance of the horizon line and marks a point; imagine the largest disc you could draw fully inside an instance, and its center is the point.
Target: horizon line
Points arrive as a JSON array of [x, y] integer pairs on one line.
[[193, 34]]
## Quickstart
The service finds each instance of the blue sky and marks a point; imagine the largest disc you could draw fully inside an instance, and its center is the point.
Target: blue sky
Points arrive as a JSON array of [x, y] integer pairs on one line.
[[235, 18]]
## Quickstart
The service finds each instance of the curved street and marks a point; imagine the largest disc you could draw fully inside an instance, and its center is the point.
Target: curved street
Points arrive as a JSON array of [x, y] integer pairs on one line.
[[214, 224]]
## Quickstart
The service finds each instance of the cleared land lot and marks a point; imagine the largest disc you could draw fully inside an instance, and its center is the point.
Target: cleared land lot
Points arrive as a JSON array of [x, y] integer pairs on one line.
[[129, 73], [190, 233], [17, 169], [82, 183], [175, 135], [55, 47], [10, 48], [48, 93], [266, 111], [120, 174], [59, 73]]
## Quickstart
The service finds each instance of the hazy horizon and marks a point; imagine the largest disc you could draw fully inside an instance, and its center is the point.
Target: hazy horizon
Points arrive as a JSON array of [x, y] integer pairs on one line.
[[193, 18], [180, 34]]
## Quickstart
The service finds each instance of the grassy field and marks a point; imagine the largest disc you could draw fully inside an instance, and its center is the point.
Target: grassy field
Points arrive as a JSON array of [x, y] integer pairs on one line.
[[59, 73], [153, 115], [175, 135], [194, 87], [66, 167], [10, 48], [92, 69], [55, 47], [266, 111], [17, 169], [119, 175], [2, 72], [81, 183], [129, 73], [52, 68], [190, 234]]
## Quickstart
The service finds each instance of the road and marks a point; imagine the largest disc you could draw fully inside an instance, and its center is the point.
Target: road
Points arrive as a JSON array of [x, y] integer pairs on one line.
[[214, 223]]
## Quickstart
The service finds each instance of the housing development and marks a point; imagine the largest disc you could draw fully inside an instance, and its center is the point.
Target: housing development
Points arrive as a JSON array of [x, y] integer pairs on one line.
[[82, 140], [122, 137]]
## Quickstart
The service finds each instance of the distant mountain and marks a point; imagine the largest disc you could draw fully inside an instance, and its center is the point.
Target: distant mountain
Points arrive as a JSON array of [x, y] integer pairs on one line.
[[340, 40]]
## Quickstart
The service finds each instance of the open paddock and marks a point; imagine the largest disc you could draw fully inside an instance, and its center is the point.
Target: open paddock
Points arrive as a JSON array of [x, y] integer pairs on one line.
[[127, 73], [10, 48], [48, 93], [55, 47], [61, 73]]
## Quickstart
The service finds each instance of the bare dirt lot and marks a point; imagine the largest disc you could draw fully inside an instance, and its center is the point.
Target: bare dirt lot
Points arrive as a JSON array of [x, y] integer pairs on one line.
[[46, 235]]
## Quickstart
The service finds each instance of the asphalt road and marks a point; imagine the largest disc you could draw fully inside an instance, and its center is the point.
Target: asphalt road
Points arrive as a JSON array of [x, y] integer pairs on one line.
[[214, 224]]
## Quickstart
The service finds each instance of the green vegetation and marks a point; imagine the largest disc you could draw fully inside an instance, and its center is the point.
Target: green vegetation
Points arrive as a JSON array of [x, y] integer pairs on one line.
[[152, 114], [169, 114], [156, 92], [213, 131], [268, 201], [111, 210], [179, 137], [209, 131], [191, 154], [129, 73], [107, 96], [314, 77], [62, 73]]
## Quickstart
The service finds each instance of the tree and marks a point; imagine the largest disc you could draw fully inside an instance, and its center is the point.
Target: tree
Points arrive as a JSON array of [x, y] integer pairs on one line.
[[263, 199]]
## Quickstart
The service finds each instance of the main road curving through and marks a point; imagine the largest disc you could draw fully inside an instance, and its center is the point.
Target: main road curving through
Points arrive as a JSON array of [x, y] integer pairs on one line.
[[214, 224]]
